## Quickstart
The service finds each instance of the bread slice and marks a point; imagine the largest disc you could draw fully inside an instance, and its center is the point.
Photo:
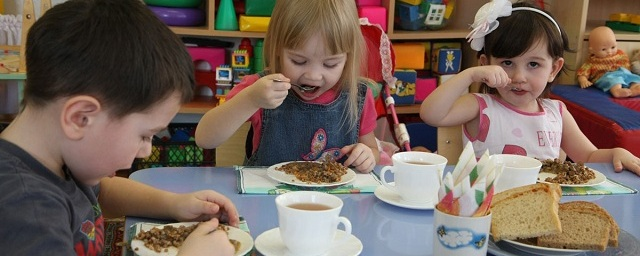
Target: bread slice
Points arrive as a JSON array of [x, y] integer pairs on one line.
[[614, 232], [525, 212], [584, 227]]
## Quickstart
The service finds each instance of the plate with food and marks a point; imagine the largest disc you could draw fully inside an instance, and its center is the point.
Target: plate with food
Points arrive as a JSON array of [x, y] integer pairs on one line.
[[175, 233], [311, 173], [569, 174]]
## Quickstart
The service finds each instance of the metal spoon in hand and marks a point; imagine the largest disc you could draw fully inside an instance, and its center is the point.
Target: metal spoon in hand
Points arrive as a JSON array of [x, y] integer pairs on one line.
[[301, 87]]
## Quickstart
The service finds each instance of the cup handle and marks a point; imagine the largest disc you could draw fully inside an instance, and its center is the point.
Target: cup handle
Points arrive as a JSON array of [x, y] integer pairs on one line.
[[347, 229], [384, 180]]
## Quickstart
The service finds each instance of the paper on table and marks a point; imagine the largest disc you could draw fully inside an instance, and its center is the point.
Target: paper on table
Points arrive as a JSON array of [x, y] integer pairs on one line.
[[468, 190]]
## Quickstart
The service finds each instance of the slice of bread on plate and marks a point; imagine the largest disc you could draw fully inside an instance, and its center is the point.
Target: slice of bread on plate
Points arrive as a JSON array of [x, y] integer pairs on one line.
[[525, 212], [585, 226], [615, 229]]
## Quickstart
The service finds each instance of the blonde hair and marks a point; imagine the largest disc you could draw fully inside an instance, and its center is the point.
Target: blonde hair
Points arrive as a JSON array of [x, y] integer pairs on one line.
[[293, 22]]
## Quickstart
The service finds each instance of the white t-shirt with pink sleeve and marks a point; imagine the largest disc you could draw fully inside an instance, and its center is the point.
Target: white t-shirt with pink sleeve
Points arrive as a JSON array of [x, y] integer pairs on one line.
[[506, 130]]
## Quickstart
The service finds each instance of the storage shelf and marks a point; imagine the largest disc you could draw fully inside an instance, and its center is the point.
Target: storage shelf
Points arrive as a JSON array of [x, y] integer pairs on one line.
[[429, 35], [204, 31], [620, 35], [199, 105]]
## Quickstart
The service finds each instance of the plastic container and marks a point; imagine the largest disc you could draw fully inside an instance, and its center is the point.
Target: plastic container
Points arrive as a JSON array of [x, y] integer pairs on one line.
[[226, 18], [174, 3], [258, 56], [180, 150]]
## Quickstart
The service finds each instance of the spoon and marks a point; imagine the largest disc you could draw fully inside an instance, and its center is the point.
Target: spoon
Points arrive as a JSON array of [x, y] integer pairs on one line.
[[301, 87]]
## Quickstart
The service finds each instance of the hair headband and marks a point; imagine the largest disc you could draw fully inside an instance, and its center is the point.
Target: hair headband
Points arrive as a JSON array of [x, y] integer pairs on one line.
[[486, 21]]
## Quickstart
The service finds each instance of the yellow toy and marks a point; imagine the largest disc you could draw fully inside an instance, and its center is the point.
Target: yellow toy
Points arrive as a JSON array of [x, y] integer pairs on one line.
[[607, 66]]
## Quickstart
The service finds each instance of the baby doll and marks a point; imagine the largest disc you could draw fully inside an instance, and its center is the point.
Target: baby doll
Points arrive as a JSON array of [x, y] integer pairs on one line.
[[607, 66]]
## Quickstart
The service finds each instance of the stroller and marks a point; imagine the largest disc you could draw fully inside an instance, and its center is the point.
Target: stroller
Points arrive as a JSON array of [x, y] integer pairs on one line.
[[379, 69]]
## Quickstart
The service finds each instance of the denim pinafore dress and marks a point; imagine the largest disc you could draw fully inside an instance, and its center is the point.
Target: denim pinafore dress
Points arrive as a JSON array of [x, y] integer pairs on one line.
[[297, 130]]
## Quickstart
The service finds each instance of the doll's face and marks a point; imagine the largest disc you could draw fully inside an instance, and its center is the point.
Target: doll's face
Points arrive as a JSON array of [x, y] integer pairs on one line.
[[602, 43]]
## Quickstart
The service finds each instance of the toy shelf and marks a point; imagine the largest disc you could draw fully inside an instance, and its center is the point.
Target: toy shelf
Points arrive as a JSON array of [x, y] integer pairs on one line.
[[579, 17], [457, 28]]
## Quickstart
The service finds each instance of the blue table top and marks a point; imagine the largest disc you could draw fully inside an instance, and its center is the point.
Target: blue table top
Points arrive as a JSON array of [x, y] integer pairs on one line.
[[384, 229]]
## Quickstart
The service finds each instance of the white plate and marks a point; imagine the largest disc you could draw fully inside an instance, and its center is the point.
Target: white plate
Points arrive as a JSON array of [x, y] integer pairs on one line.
[[280, 176], [391, 197], [542, 250], [628, 246], [599, 179], [269, 243], [246, 242]]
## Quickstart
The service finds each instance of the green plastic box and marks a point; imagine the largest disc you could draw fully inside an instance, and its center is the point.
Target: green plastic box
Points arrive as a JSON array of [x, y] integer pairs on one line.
[[259, 7], [625, 26]]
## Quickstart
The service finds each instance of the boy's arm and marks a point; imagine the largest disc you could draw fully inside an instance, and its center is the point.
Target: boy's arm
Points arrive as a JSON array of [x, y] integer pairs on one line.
[[124, 197], [121, 197]]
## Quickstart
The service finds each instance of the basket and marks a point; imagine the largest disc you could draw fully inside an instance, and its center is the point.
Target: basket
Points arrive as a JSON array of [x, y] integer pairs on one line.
[[179, 150]]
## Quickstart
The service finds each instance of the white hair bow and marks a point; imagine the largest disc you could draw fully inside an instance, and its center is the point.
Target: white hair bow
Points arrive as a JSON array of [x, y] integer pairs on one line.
[[486, 21]]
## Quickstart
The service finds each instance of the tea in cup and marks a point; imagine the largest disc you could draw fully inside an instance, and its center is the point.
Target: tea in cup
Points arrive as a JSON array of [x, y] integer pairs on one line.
[[518, 171], [417, 175], [309, 221]]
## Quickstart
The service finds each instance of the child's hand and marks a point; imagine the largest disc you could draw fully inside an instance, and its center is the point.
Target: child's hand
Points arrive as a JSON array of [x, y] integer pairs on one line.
[[204, 205], [492, 75], [623, 159], [269, 94], [206, 240], [360, 156]]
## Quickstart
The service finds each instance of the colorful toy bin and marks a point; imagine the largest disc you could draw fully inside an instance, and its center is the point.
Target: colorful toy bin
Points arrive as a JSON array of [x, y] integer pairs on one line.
[[424, 14], [179, 16], [176, 147]]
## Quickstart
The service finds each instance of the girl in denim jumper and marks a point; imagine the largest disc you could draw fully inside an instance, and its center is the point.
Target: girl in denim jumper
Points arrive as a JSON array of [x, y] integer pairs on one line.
[[316, 44]]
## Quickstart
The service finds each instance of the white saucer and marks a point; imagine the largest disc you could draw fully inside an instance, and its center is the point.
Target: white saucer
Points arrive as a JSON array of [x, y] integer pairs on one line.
[[269, 243], [391, 197]]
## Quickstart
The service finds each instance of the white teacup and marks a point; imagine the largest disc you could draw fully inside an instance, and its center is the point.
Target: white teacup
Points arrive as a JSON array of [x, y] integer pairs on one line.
[[518, 171], [417, 175], [309, 220]]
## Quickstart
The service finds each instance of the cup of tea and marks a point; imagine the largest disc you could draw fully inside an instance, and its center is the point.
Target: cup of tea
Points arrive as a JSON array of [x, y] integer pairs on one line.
[[416, 175], [518, 171], [458, 235], [309, 220]]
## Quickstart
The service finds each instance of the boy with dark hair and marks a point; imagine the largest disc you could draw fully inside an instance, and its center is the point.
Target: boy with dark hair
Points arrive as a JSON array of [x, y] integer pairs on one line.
[[103, 76]]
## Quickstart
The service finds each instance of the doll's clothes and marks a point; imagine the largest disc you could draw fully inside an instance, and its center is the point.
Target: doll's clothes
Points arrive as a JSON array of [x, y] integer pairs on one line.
[[594, 67], [620, 76]]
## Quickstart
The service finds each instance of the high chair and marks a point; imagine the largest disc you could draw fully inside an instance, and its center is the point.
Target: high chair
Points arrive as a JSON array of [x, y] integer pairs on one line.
[[380, 64]]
